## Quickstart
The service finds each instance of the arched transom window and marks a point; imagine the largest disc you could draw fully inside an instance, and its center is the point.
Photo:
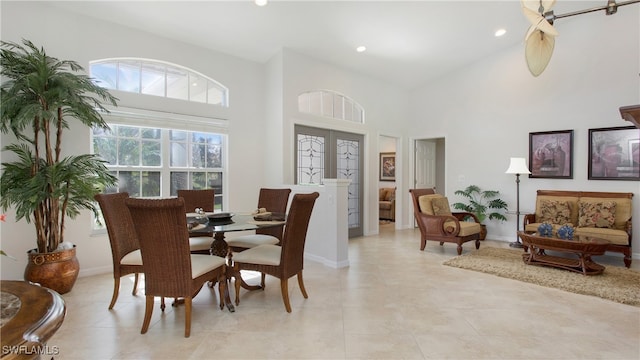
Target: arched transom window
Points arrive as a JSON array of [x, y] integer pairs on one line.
[[331, 104], [159, 78]]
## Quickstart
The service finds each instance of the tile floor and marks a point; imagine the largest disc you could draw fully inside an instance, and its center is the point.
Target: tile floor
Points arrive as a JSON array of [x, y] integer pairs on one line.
[[393, 302]]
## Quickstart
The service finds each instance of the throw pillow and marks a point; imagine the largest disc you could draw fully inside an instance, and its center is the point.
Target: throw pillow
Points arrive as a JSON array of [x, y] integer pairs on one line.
[[555, 212], [600, 214], [383, 194], [441, 206]]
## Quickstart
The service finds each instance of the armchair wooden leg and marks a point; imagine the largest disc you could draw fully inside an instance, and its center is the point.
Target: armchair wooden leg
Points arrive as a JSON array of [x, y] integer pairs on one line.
[[423, 243], [148, 311], [477, 244], [262, 278], [116, 290], [459, 249], [284, 288]]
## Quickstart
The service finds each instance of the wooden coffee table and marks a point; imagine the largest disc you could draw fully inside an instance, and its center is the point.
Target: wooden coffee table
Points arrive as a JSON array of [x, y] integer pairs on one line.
[[583, 247]]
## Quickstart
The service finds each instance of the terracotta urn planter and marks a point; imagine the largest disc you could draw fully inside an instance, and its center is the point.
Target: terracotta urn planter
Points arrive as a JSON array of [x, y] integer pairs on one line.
[[56, 270]]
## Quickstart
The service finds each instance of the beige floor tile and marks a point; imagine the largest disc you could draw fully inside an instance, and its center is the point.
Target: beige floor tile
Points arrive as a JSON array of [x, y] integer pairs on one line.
[[393, 302]]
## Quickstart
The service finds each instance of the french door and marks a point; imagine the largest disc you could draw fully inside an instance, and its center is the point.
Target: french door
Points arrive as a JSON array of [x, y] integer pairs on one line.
[[323, 153]]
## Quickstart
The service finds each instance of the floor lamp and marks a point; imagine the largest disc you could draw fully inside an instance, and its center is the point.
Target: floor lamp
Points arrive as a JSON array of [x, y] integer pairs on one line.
[[517, 166]]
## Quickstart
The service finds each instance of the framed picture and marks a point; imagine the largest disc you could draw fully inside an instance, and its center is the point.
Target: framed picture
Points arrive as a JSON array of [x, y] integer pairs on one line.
[[551, 154], [388, 166], [614, 153]]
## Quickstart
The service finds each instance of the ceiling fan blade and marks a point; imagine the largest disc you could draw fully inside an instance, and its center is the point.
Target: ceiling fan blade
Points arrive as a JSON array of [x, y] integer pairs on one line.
[[539, 22], [531, 30], [538, 50], [547, 28], [533, 16]]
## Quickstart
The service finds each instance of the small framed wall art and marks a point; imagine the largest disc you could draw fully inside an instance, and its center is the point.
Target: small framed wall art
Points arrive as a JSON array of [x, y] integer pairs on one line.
[[614, 153], [388, 166], [551, 154]]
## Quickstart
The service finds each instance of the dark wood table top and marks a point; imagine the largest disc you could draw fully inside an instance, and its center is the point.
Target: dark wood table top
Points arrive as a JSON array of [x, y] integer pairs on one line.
[[30, 316]]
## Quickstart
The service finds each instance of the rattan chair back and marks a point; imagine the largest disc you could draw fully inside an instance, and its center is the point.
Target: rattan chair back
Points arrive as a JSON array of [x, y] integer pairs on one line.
[[122, 237], [203, 199], [275, 201]]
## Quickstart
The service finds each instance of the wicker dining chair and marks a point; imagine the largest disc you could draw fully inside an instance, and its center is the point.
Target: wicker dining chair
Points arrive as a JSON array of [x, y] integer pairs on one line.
[[169, 267], [274, 201], [286, 260], [125, 249], [199, 241]]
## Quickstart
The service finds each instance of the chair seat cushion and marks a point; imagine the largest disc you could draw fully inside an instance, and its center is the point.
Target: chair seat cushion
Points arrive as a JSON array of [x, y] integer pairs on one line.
[[253, 240], [385, 205], [132, 258], [466, 227], [202, 264], [200, 243], [262, 255]]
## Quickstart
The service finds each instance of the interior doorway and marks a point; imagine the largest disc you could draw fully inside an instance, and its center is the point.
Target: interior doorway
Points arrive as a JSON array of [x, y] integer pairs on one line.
[[388, 178], [429, 167]]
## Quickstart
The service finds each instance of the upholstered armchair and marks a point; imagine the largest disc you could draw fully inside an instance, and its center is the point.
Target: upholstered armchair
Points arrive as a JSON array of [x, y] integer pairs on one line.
[[387, 204], [438, 223]]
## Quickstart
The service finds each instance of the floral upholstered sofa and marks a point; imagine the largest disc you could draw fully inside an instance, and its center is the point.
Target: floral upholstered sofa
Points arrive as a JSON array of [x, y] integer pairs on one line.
[[387, 203], [605, 215]]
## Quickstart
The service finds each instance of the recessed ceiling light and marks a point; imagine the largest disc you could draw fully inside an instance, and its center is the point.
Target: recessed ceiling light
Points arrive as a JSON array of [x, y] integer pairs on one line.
[[261, 2], [500, 32], [361, 48]]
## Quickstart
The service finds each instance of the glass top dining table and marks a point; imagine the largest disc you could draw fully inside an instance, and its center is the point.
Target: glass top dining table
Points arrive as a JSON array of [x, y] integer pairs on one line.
[[219, 225]]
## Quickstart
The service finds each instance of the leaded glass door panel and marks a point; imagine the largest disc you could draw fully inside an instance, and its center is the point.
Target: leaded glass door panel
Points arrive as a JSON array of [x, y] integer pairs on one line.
[[323, 153]]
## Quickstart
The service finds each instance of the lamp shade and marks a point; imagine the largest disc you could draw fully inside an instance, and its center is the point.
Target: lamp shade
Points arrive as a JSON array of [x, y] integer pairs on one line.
[[518, 166]]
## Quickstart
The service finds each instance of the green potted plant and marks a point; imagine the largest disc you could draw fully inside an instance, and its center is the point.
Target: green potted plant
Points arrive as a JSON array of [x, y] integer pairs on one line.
[[41, 97], [483, 203]]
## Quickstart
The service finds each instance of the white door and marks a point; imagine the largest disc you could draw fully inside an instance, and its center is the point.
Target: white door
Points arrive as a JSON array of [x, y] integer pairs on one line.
[[425, 164]]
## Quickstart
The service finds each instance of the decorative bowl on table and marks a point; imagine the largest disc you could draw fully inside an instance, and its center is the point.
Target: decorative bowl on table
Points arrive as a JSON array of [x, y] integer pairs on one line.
[[545, 229], [221, 217], [565, 232]]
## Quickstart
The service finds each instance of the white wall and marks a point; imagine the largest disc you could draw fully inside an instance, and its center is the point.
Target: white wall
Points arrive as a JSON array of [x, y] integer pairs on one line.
[[487, 110], [80, 39]]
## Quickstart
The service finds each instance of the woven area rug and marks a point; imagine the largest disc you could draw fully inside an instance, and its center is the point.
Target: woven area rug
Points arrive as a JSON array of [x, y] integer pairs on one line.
[[618, 284]]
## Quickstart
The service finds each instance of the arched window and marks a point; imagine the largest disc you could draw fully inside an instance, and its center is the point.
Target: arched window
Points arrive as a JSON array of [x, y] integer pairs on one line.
[[153, 77], [331, 104]]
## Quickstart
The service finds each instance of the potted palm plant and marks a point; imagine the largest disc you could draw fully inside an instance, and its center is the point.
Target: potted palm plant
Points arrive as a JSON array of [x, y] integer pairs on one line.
[[41, 97], [483, 203]]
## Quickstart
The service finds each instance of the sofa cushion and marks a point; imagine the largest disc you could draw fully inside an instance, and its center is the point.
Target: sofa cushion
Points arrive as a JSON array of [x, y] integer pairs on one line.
[[596, 214], [555, 212], [383, 194], [572, 201], [616, 237], [425, 203], [385, 205], [441, 206], [623, 209]]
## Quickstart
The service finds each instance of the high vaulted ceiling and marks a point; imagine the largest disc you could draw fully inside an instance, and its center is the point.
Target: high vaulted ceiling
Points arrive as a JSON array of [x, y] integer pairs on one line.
[[408, 42]]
